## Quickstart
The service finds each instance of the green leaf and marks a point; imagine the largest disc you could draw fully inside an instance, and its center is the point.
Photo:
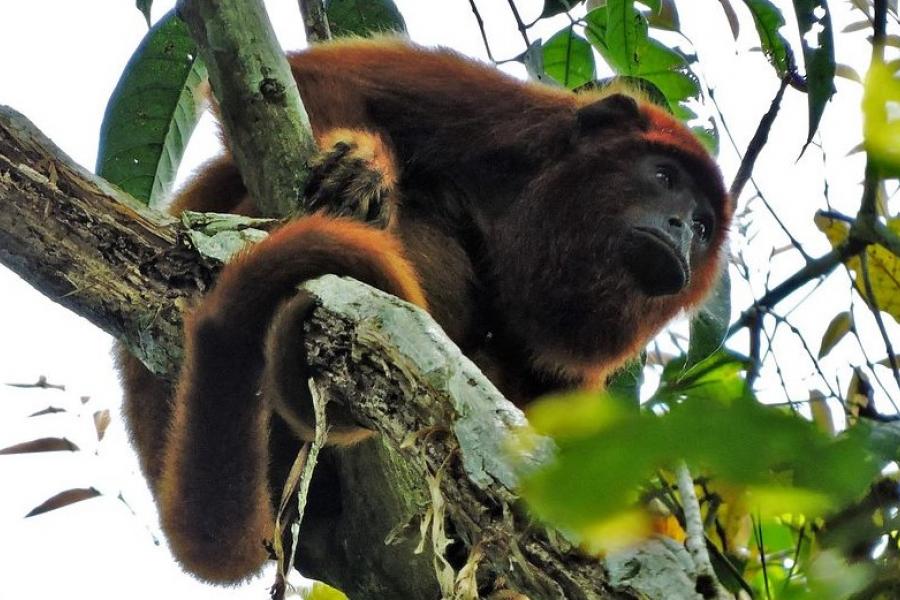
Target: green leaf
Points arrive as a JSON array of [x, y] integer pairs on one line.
[[817, 41], [710, 325], [626, 383], [708, 136], [840, 326], [363, 17], [626, 33], [769, 20], [883, 439], [144, 6], [152, 113], [783, 462], [568, 59], [557, 7], [619, 32], [321, 591], [720, 375]]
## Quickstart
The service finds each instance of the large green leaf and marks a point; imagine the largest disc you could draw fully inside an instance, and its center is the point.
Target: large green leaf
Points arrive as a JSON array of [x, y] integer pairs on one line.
[[620, 33], [625, 385], [710, 325], [817, 40], [363, 17], [152, 113], [568, 59], [769, 20], [624, 33]]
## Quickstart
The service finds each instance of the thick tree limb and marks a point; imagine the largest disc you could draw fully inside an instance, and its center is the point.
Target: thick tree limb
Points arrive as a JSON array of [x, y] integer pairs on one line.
[[92, 248]]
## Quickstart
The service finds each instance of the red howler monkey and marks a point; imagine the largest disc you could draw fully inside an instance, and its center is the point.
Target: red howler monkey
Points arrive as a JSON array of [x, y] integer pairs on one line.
[[550, 234]]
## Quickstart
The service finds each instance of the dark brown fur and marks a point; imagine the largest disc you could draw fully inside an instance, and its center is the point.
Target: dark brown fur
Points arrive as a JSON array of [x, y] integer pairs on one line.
[[504, 204]]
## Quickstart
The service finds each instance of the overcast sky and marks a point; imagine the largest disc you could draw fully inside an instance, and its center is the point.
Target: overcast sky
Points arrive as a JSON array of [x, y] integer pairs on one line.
[[59, 61]]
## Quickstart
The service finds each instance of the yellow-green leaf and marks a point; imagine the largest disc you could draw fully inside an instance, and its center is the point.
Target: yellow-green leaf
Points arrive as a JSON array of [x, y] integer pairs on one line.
[[884, 266], [840, 326], [321, 591]]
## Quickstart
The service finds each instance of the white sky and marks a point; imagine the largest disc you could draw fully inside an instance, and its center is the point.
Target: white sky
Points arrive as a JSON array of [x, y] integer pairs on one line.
[[59, 61]]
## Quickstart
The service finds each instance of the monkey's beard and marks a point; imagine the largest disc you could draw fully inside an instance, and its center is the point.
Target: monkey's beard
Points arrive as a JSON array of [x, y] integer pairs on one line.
[[580, 312]]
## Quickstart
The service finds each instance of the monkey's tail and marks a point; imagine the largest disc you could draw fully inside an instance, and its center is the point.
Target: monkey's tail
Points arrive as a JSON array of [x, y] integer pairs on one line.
[[213, 492]]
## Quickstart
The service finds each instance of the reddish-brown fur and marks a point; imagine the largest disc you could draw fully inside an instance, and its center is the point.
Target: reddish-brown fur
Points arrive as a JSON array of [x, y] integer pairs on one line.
[[505, 224]]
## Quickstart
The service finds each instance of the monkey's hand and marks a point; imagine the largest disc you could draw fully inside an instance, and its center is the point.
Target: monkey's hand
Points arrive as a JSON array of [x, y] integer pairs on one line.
[[354, 176]]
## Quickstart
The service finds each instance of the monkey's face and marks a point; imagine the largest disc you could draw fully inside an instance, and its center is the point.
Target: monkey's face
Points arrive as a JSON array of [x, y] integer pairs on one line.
[[668, 226], [606, 247]]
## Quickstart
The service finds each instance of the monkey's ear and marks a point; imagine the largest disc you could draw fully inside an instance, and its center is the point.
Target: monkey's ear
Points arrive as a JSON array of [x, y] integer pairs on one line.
[[613, 110]]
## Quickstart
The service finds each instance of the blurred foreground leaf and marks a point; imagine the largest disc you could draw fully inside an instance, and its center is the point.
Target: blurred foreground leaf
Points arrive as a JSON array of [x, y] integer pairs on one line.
[[605, 453]]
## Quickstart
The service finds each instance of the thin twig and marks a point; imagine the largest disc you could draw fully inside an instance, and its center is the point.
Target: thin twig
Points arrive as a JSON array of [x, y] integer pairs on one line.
[[865, 353], [523, 29], [813, 269], [879, 25], [759, 193], [809, 353], [757, 142], [487, 45]]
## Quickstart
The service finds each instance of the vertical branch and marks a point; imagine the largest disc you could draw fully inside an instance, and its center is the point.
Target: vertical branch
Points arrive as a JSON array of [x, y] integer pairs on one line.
[[263, 116], [695, 542], [315, 21]]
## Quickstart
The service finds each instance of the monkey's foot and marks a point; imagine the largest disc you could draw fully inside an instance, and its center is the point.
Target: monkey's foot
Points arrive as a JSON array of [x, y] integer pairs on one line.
[[352, 177]]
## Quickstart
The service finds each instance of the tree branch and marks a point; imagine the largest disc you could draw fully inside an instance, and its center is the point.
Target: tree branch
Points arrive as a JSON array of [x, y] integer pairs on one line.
[[813, 269], [264, 119], [315, 21], [92, 248], [757, 143]]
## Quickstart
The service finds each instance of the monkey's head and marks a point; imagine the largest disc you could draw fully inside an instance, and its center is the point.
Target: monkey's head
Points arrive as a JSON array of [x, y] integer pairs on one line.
[[612, 239]]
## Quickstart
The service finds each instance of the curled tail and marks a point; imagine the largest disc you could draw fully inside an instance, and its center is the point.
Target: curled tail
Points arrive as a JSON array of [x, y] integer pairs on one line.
[[213, 492]]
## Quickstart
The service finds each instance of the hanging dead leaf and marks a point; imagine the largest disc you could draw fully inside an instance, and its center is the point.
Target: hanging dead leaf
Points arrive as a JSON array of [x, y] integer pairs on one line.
[[63, 499], [41, 445], [50, 410], [859, 395], [821, 412], [732, 18], [101, 422], [840, 326]]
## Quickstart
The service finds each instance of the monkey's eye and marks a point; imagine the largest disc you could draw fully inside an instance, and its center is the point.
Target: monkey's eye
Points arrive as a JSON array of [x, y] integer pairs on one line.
[[702, 229], [665, 176]]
